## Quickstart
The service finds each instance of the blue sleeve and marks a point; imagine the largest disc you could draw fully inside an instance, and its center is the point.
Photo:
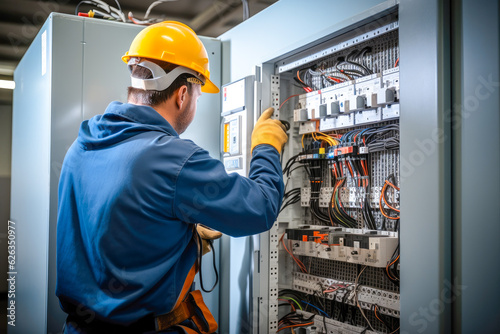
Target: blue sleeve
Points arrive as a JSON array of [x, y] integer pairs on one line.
[[229, 203]]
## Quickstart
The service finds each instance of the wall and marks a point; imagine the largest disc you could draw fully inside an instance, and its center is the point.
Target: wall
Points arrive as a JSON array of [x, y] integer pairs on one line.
[[5, 151]]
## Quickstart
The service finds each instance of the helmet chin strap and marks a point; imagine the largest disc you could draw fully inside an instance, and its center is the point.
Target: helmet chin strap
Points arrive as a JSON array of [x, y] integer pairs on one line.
[[160, 80]]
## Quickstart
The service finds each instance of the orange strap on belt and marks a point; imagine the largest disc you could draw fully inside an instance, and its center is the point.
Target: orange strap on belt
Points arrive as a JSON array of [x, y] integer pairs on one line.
[[194, 308]]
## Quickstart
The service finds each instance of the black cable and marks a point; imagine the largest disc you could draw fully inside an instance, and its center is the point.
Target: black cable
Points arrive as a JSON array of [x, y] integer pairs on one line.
[[291, 197], [200, 262], [82, 2]]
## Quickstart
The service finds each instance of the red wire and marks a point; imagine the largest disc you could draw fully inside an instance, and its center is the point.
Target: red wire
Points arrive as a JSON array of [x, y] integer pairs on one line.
[[287, 100]]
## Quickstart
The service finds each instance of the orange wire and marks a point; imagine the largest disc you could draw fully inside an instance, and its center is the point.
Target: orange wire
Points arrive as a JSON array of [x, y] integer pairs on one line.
[[385, 200], [298, 77], [289, 302], [330, 206], [377, 315], [387, 268], [299, 263], [381, 207], [299, 325], [287, 100], [389, 183]]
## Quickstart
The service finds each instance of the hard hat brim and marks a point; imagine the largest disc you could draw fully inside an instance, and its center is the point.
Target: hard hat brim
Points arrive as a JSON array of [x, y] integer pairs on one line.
[[209, 87]]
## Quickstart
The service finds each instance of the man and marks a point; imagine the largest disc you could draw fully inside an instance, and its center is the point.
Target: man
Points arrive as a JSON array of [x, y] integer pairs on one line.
[[132, 195]]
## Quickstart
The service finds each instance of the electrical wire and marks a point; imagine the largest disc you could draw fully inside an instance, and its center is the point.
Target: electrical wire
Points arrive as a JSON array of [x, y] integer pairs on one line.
[[315, 307], [246, 10], [110, 12], [291, 197], [356, 298], [153, 5], [297, 261], [383, 199], [296, 325], [288, 98], [292, 320], [381, 318], [293, 300]]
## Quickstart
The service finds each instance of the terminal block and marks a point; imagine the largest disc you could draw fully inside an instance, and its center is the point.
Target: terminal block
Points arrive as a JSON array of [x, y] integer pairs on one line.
[[387, 301]]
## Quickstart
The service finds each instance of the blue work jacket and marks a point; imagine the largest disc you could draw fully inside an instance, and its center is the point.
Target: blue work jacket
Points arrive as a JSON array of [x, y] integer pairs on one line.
[[130, 193]]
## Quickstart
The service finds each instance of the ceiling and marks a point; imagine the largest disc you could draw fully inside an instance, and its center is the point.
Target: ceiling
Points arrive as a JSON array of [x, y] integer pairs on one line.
[[20, 21]]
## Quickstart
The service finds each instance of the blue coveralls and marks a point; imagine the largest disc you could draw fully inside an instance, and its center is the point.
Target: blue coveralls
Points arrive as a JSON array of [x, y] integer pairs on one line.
[[130, 193]]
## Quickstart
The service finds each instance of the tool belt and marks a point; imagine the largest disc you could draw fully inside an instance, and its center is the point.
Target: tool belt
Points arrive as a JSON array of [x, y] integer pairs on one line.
[[193, 308]]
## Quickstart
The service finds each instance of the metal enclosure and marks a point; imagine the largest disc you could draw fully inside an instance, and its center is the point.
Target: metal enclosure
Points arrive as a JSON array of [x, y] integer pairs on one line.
[[70, 73]]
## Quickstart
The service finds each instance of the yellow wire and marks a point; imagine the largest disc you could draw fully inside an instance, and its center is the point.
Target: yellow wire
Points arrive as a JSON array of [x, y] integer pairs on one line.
[[290, 298], [319, 136]]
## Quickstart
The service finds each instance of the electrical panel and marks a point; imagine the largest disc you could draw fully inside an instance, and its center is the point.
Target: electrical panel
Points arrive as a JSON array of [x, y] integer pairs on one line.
[[333, 254]]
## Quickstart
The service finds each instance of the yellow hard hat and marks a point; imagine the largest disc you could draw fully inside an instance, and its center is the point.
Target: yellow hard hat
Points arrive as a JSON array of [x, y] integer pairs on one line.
[[176, 43]]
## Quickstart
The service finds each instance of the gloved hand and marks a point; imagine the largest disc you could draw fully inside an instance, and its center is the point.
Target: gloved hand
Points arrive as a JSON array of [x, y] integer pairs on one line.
[[207, 234], [269, 131]]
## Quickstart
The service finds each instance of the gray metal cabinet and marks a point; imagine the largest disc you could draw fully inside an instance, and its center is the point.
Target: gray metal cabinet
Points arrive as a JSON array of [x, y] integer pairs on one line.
[[70, 73]]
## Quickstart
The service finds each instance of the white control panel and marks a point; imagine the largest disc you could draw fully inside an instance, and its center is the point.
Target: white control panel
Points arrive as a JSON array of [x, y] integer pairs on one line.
[[237, 124]]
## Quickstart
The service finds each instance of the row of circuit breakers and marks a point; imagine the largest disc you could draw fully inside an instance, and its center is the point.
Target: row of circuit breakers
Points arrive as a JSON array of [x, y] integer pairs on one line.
[[368, 99], [373, 248]]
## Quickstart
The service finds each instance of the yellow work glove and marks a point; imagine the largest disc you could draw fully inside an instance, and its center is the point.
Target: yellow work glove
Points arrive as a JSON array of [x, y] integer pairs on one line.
[[207, 234], [269, 131]]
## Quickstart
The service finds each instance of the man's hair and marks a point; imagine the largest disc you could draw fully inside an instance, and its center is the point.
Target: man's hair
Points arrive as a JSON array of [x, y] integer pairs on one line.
[[156, 97]]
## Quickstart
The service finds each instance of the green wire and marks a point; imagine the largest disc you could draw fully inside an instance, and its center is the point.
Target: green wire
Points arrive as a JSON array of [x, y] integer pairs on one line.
[[294, 301]]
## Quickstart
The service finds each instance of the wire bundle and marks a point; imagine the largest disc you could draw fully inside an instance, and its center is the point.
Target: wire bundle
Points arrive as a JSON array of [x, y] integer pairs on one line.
[[111, 13], [391, 270], [336, 211], [108, 12], [382, 138], [293, 320], [393, 213], [297, 261], [290, 165], [345, 68], [383, 320], [146, 20], [316, 171], [352, 67], [291, 197], [301, 301]]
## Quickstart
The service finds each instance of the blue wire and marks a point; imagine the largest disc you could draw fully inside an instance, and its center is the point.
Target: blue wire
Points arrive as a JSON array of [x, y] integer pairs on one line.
[[317, 308]]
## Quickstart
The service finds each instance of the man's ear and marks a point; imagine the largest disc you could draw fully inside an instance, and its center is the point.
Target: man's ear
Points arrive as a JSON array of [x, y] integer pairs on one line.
[[181, 96]]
